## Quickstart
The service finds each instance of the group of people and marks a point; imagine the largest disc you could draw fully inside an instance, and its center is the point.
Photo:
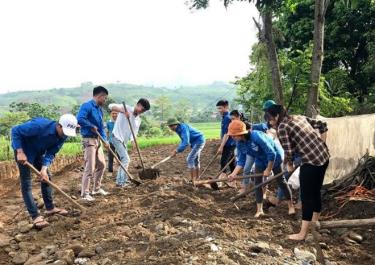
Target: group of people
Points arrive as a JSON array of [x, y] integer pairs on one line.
[[279, 144]]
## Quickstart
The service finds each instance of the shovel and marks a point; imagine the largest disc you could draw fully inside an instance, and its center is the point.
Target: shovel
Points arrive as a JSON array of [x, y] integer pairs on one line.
[[146, 173], [131, 178], [56, 187]]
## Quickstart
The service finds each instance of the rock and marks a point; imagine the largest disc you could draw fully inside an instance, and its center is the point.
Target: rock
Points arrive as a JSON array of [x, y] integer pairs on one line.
[[4, 240], [66, 255], [341, 231], [21, 237], [40, 203], [356, 237], [20, 258], [74, 197], [87, 253], [159, 227], [259, 247], [60, 262], [214, 247], [105, 261], [26, 246], [349, 241], [81, 261], [50, 249], [34, 259], [304, 256], [24, 226], [323, 245], [76, 247], [99, 250]]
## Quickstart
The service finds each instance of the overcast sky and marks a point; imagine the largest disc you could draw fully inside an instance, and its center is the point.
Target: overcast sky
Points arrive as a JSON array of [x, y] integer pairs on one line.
[[50, 43]]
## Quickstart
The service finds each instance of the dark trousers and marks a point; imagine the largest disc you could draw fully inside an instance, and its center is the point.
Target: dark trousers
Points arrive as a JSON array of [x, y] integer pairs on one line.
[[281, 182], [226, 156], [26, 189], [311, 180], [110, 158]]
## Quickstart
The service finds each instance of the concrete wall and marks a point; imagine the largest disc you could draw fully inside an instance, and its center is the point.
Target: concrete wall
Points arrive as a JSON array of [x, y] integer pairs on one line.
[[348, 140]]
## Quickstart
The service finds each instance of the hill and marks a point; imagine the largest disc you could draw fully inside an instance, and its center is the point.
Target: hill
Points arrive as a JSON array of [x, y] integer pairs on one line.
[[200, 96]]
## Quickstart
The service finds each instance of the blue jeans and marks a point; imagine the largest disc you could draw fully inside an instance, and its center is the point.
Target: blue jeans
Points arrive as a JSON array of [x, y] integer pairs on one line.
[[247, 170], [26, 189], [122, 151], [297, 161], [193, 159]]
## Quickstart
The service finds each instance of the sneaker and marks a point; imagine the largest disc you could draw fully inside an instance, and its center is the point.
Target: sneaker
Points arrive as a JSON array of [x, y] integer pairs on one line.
[[88, 197], [100, 191]]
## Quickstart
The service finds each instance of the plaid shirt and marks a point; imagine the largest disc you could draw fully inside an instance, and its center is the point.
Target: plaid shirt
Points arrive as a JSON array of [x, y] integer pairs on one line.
[[298, 135]]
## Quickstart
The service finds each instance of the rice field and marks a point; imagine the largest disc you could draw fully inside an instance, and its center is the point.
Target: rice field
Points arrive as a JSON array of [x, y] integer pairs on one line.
[[210, 131]]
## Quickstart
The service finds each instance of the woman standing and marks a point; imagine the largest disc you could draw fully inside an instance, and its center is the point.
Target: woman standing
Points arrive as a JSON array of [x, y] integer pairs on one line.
[[297, 134]]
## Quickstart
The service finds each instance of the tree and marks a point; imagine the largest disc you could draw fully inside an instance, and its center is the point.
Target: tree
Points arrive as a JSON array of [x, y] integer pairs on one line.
[[162, 108], [317, 57], [183, 110], [36, 110], [11, 119]]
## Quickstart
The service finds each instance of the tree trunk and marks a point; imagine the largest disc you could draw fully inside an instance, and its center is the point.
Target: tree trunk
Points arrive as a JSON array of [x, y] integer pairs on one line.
[[272, 56], [312, 108]]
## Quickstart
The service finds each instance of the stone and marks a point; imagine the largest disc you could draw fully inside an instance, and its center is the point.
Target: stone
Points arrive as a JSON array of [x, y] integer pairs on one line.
[[259, 247], [304, 256], [76, 247], [105, 261], [50, 249], [24, 226], [40, 203], [21, 237], [27, 246], [99, 250], [4, 240], [356, 237], [87, 253], [66, 255], [81, 261], [20, 258], [60, 262], [34, 259]]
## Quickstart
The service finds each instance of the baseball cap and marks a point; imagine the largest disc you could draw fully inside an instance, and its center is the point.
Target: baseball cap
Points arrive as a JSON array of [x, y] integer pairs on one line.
[[267, 104], [69, 124]]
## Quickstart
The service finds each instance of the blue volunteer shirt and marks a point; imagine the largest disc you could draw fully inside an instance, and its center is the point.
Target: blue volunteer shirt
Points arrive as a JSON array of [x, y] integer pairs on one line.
[[38, 138], [263, 127], [189, 136], [91, 115], [261, 147], [226, 120], [110, 126]]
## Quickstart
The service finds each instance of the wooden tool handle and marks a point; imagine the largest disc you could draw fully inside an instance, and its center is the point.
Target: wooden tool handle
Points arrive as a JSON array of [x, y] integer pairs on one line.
[[134, 137], [225, 167], [55, 187], [243, 194], [209, 181], [161, 162], [131, 178], [208, 165]]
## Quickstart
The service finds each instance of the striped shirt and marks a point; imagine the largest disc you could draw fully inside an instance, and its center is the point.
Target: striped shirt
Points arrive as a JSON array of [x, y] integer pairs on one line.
[[298, 134]]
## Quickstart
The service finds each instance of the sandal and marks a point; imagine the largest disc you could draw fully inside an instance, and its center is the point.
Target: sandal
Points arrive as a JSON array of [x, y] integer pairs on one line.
[[55, 210], [40, 223]]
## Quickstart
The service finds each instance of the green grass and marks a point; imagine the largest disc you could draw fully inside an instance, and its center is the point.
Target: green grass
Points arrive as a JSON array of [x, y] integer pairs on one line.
[[210, 130]]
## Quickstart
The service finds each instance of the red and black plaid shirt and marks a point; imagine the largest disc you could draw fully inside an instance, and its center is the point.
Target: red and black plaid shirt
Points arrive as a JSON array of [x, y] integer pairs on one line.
[[298, 135]]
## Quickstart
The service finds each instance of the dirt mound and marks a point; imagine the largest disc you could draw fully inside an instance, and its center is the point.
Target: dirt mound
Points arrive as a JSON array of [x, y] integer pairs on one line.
[[166, 221]]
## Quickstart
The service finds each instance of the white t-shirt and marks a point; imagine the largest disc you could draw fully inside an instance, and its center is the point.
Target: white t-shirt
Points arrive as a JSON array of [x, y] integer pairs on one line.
[[121, 130]]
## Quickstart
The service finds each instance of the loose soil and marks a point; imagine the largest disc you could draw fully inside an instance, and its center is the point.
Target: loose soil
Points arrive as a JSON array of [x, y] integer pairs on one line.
[[167, 221]]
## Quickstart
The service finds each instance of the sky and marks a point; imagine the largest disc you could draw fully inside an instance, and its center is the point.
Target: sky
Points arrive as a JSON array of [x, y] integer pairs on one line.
[[63, 43]]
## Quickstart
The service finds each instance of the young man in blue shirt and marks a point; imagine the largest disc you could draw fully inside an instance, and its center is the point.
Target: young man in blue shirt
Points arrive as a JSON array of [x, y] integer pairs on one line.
[[227, 145], [90, 118], [192, 137], [37, 141], [109, 127]]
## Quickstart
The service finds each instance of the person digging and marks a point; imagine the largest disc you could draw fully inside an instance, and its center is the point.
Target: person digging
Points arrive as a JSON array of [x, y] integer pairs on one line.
[[189, 136], [256, 147], [37, 141]]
